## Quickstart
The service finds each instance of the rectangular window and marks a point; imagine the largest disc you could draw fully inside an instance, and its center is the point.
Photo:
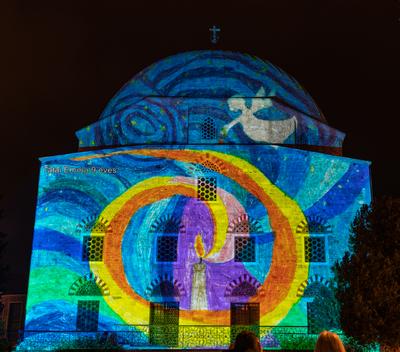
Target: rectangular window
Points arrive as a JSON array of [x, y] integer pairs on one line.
[[93, 248], [164, 323], [207, 189], [14, 321], [312, 319], [208, 130], [314, 249], [88, 315], [245, 249], [167, 248], [244, 316]]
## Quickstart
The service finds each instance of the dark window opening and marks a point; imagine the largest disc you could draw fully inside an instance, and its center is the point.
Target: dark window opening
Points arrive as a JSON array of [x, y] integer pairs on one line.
[[88, 315], [164, 323], [93, 248], [245, 249], [167, 248], [314, 249], [208, 130], [245, 316]]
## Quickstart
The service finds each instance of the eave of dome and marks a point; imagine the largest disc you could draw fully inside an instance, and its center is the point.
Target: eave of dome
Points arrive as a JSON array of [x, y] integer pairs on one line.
[[160, 120]]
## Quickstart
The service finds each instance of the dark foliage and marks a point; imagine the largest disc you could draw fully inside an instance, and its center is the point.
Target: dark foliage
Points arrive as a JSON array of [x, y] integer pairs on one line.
[[327, 306], [368, 277]]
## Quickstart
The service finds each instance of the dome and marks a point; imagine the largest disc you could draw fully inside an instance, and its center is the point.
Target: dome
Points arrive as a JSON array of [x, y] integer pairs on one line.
[[211, 97], [213, 74]]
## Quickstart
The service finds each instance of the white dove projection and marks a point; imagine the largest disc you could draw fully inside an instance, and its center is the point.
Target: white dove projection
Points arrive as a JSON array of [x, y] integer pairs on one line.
[[255, 128]]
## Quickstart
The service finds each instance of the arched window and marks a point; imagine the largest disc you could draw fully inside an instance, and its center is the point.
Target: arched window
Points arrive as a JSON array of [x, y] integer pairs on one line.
[[312, 282], [94, 225], [89, 285], [315, 244], [245, 225], [165, 287], [167, 229], [314, 224], [309, 289], [245, 246], [93, 229], [207, 165], [88, 310], [244, 289], [167, 224], [244, 286]]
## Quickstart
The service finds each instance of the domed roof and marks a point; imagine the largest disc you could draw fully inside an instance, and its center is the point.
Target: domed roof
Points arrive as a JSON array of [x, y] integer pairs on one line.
[[213, 74], [211, 97]]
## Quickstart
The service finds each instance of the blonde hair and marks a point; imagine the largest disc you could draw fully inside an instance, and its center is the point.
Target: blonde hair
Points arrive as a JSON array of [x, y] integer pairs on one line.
[[329, 342]]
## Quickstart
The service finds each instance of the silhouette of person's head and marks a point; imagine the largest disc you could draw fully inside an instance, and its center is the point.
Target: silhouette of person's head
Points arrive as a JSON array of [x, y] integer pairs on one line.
[[246, 341], [329, 342]]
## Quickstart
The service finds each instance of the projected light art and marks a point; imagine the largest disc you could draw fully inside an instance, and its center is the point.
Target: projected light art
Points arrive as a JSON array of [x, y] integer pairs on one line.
[[181, 244]]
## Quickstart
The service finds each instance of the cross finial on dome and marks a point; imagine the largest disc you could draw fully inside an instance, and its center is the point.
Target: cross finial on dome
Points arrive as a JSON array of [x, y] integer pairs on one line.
[[214, 35]]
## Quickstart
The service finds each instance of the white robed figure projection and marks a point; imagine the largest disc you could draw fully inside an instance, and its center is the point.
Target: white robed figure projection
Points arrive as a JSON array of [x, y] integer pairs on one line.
[[257, 129]]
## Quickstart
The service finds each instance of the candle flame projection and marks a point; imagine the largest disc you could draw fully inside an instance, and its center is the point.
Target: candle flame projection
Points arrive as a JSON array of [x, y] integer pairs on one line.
[[199, 246]]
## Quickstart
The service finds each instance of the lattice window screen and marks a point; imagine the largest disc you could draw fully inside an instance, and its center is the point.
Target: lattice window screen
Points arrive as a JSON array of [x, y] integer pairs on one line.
[[312, 318], [164, 323], [207, 188], [93, 248], [167, 248], [88, 315], [208, 130], [314, 249], [245, 249], [164, 313]]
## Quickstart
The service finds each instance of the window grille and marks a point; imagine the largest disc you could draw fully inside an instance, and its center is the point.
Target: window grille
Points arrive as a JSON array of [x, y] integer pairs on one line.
[[88, 315], [245, 249], [207, 189], [93, 248], [314, 249], [245, 316], [167, 248], [164, 323], [208, 130], [312, 318]]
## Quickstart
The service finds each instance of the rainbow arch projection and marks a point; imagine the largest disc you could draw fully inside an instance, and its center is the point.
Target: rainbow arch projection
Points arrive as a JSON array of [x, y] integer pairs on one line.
[[102, 217]]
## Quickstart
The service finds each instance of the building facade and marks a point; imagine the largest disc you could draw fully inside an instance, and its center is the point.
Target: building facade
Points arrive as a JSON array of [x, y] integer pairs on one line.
[[211, 194], [12, 315]]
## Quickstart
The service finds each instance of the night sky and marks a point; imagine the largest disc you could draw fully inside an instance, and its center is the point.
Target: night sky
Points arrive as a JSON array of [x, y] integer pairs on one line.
[[61, 61]]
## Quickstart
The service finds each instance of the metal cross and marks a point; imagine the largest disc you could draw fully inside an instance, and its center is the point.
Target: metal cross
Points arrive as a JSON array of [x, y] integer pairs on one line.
[[214, 36]]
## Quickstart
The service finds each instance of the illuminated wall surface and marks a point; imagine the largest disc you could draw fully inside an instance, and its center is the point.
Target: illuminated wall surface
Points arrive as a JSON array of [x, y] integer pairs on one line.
[[188, 231]]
